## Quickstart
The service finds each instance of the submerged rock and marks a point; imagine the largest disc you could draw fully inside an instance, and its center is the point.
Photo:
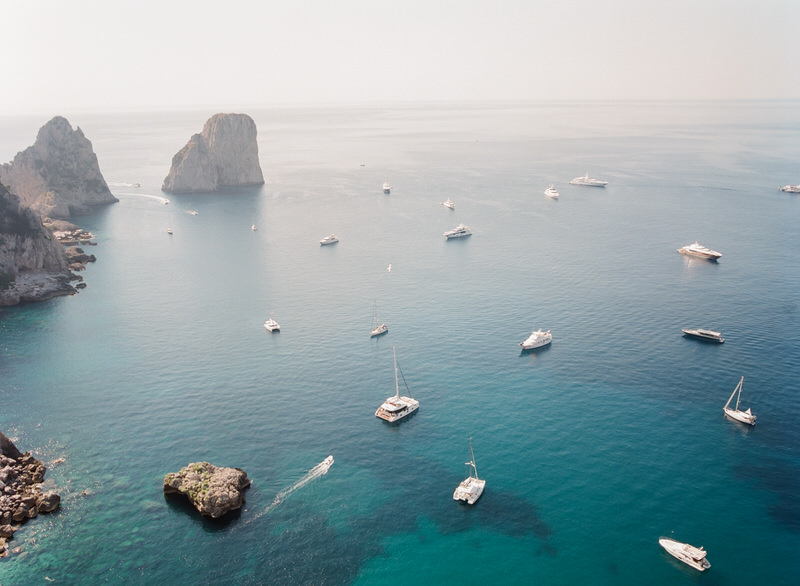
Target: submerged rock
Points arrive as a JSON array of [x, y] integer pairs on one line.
[[213, 491], [59, 175], [225, 153]]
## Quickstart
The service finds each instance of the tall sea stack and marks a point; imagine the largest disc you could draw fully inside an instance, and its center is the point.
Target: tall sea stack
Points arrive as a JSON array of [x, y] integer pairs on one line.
[[224, 154], [59, 175]]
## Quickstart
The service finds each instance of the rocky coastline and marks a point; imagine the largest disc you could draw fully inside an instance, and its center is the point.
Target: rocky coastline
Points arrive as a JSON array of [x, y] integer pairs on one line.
[[21, 495]]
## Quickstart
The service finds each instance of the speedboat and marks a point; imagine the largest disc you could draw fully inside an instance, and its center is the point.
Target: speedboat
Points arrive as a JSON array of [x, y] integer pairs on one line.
[[590, 181], [791, 188], [332, 239], [701, 334], [272, 326], [396, 407], [169, 230], [700, 251], [192, 212], [253, 228], [740, 416], [688, 554], [448, 203], [537, 339], [387, 188], [458, 232], [471, 488], [551, 192]]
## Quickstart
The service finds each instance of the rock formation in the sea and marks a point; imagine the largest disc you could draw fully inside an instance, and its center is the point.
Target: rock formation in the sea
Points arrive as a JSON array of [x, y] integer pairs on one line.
[[213, 491], [21, 496], [224, 154], [33, 264], [59, 175]]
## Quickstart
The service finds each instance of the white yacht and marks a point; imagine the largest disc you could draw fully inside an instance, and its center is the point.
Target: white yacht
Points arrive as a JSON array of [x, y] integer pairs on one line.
[[706, 335], [700, 251], [688, 554], [551, 192], [448, 203], [272, 326], [740, 416], [253, 228], [791, 188], [387, 188], [537, 339], [192, 212], [396, 407], [332, 239], [471, 488], [169, 230], [377, 327], [458, 232], [590, 181]]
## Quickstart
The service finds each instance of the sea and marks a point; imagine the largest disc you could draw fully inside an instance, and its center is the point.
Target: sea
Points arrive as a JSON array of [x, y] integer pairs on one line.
[[592, 448]]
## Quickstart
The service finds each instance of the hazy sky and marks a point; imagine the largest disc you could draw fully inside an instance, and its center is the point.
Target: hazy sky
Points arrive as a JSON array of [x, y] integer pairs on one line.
[[116, 54]]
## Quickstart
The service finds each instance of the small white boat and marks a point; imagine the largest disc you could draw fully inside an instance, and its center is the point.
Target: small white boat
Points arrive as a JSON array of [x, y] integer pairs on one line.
[[471, 488], [740, 416], [537, 339], [458, 232], [253, 228], [271, 325], [169, 230], [590, 181], [387, 188], [192, 212], [705, 335], [688, 554], [396, 407], [332, 239], [377, 329], [551, 192], [448, 203], [791, 188], [700, 251]]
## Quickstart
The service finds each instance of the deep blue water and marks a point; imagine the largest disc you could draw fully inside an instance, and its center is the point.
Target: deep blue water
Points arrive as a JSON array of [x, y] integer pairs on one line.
[[592, 448]]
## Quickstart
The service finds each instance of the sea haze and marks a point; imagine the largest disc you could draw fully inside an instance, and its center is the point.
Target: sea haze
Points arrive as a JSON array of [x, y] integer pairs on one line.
[[592, 448]]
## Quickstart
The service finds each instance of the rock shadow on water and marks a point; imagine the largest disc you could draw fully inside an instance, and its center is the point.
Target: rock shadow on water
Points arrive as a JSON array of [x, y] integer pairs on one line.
[[181, 504]]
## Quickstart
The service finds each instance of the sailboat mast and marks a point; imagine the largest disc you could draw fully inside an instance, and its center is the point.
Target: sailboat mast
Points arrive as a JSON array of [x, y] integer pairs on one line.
[[396, 385], [739, 396], [472, 458]]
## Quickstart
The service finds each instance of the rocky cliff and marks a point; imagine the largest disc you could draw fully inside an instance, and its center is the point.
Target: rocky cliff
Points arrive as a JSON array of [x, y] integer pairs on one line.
[[213, 491], [33, 265], [224, 154], [59, 175]]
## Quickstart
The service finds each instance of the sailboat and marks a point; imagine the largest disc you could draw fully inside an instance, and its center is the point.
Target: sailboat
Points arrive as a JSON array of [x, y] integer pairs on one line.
[[740, 416], [377, 330], [395, 408], [471, 488]]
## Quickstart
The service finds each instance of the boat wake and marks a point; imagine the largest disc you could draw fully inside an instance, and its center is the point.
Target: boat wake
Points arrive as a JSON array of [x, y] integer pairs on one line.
[[162, 199], [319, 470]]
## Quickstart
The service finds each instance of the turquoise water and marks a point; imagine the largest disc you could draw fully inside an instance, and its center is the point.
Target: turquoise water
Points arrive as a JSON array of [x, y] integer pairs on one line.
[[592, 448]]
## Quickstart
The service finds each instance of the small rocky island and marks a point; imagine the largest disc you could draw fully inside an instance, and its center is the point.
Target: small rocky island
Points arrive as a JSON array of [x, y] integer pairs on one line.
[[225, 153], [213, 491], [21, 496], [59, 175]]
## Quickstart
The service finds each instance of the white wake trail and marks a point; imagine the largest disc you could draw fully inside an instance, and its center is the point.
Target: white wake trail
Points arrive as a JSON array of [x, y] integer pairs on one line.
[[319, 470]]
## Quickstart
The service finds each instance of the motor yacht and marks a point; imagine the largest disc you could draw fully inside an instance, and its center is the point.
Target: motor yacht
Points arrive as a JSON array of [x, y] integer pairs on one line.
[[688, 554], [590, 181], [700, 251], [706, 335], [537, 339], [551, 192], [458, 232], [332, 239]]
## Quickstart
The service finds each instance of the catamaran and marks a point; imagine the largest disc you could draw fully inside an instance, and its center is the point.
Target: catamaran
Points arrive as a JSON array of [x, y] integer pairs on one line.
[[688, 554], [740, 416], [471, 488], [377, 329], [395, 408], [271, 325], [387, 187], [448, 203]]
